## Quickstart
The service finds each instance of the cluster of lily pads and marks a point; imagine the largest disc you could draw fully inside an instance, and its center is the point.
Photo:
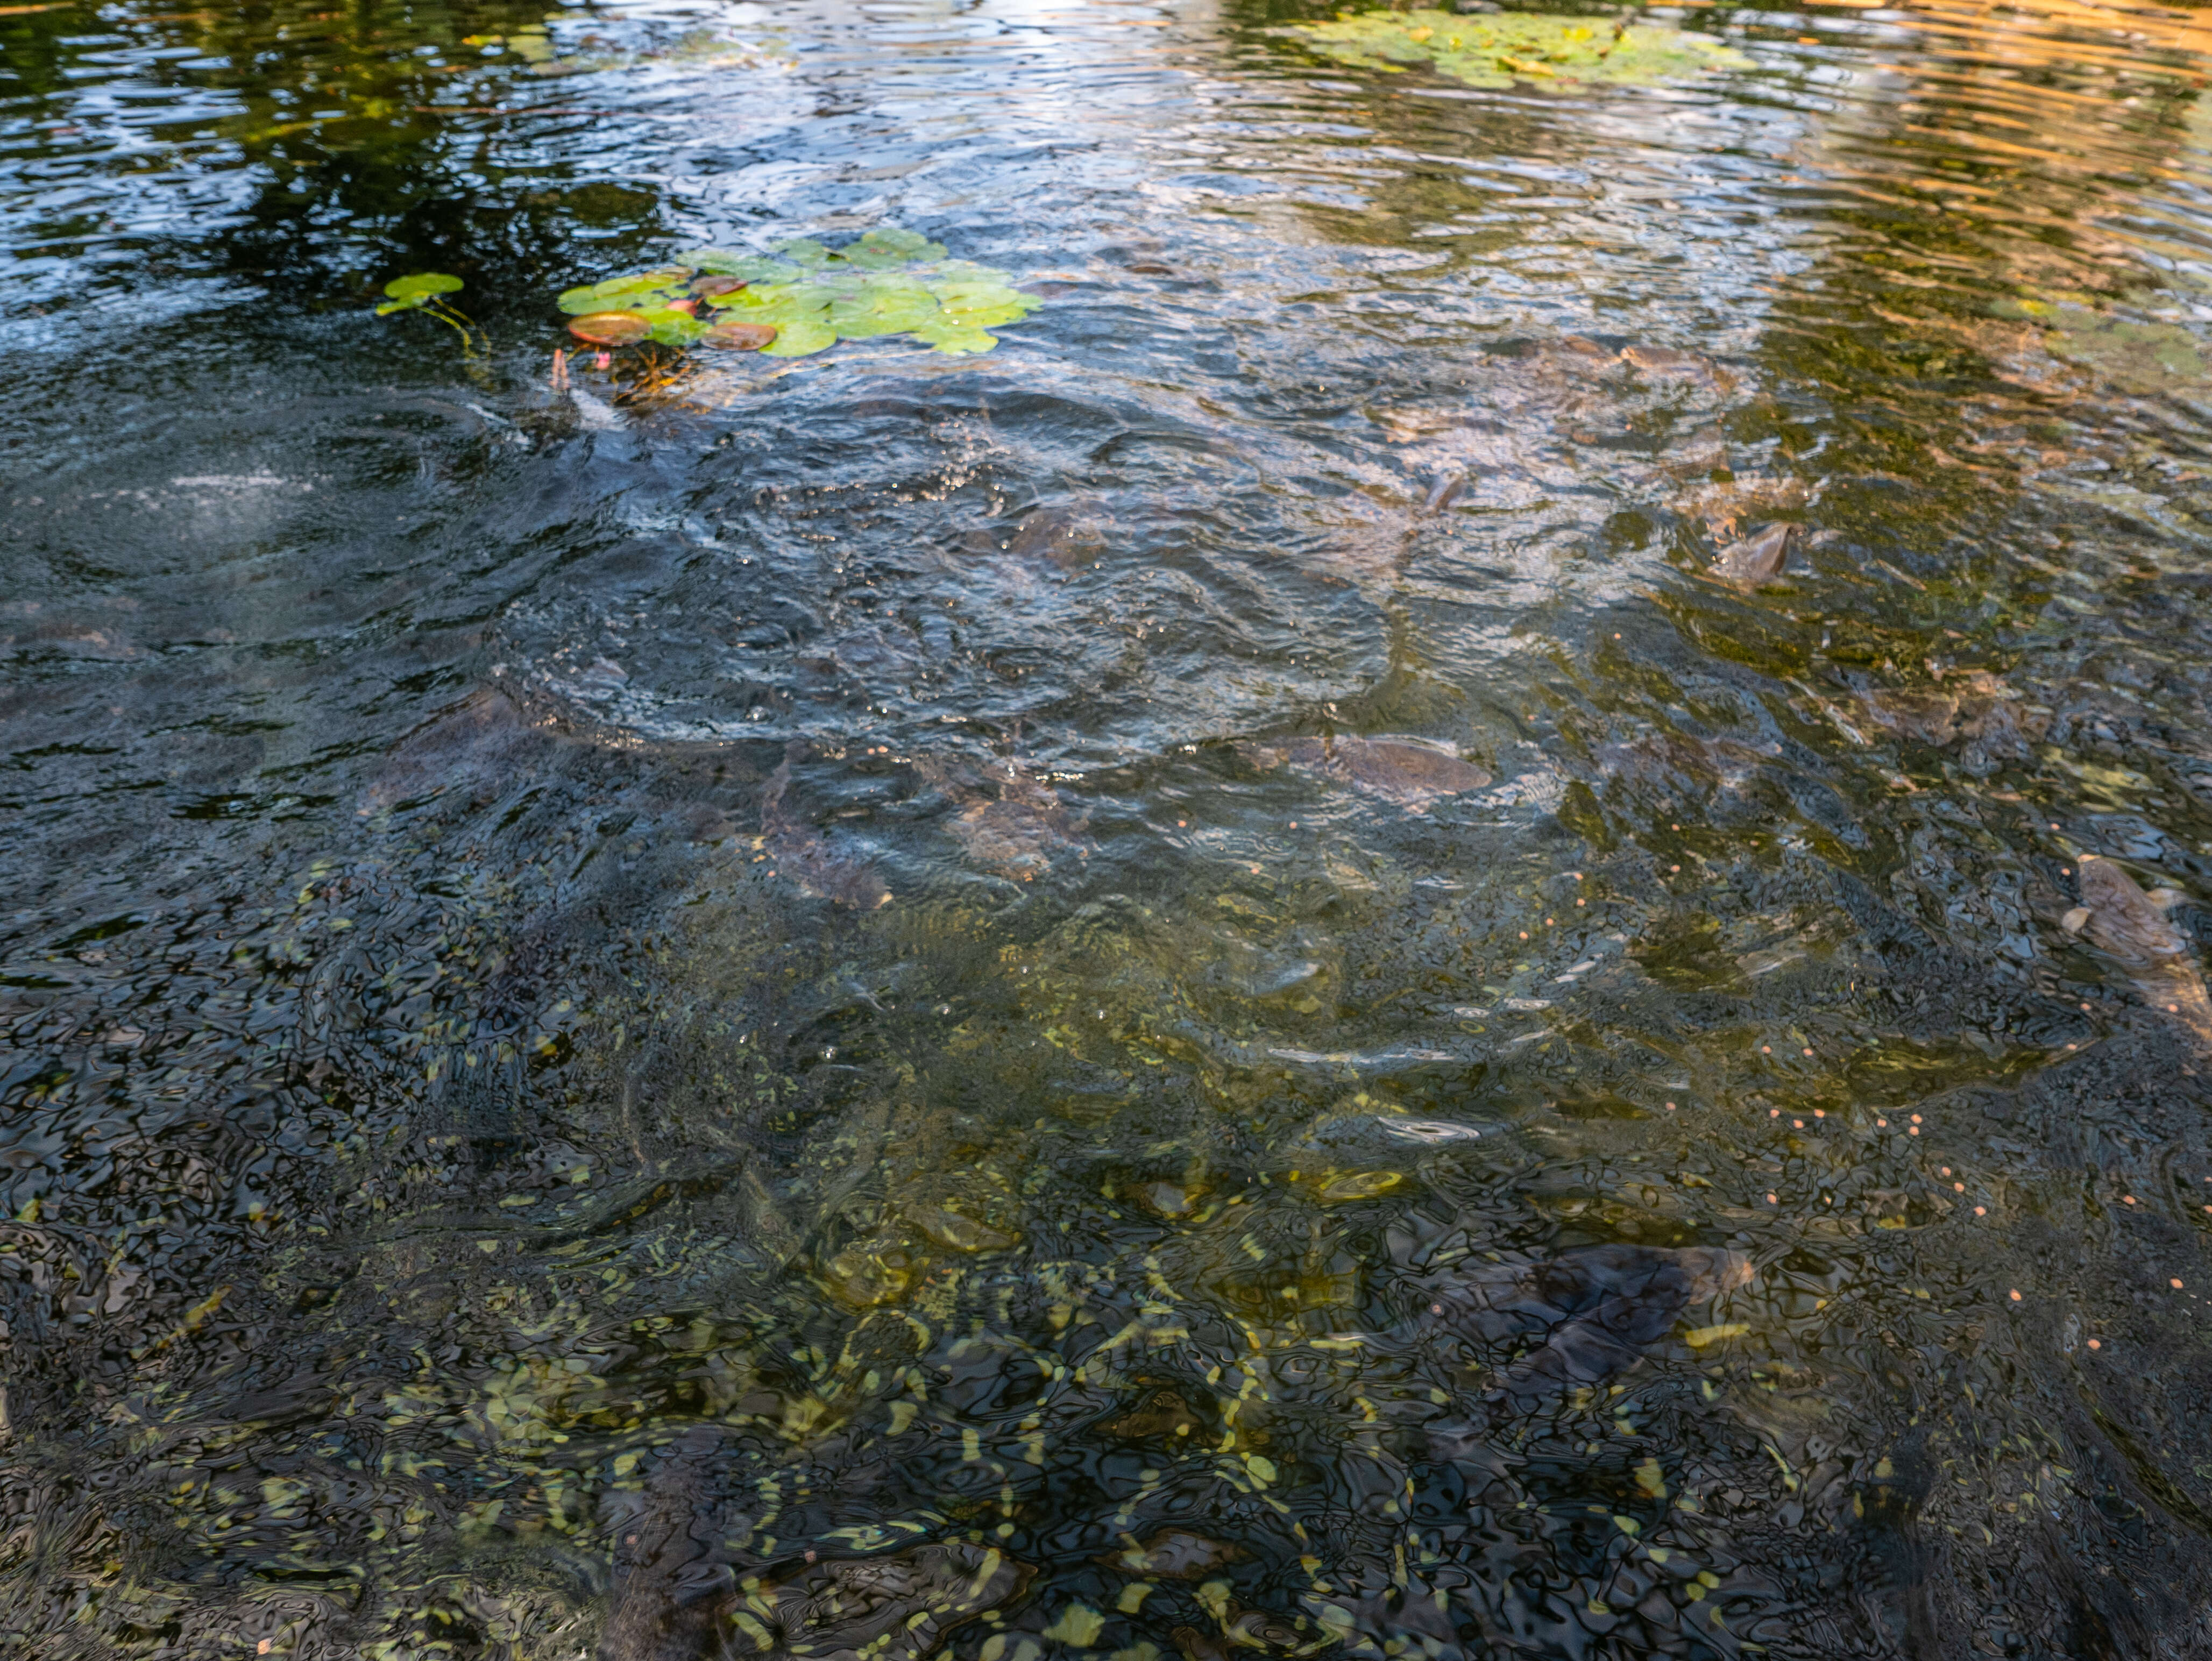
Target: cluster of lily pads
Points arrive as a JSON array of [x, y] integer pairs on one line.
[[802, 299], [1496, 49]]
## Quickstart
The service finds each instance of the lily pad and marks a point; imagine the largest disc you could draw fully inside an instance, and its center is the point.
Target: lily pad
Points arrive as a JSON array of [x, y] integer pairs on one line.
[[1497, 49], [740, 336], [610, 328], [411, 294], [806, 297]]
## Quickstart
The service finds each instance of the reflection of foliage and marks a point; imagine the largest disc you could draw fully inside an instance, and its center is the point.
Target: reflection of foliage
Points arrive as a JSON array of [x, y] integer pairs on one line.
[[1495, 50], [889, 282], [2142, 357]]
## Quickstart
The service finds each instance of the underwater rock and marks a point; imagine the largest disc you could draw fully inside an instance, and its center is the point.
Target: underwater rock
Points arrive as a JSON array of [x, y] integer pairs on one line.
[[1409, 772], [1174, 1554], [1597, 1309], [1756, 559], [801, 853]]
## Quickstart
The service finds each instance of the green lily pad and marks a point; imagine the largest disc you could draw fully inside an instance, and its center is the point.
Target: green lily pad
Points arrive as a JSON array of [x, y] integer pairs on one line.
[[806, 297], [1497, 49], [411, 294]]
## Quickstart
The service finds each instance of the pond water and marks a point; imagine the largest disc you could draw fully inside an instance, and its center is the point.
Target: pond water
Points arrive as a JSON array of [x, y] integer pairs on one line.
[[1258, 972]]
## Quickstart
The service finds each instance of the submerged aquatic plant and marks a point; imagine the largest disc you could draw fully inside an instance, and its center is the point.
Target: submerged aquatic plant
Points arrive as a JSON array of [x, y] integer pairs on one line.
[[1498, 48], [803, 298], [425, 292]]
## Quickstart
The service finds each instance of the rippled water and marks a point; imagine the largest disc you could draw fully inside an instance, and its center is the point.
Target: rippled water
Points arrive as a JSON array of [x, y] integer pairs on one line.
[[800, 1006]]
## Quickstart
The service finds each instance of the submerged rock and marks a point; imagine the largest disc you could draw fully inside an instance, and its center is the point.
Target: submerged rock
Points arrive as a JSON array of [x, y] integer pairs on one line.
[[1594, 1310], [1757, 559], [1406, 770]]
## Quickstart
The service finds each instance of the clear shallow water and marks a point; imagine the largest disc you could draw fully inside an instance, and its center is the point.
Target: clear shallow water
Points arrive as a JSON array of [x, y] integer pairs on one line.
[[487, 1177]]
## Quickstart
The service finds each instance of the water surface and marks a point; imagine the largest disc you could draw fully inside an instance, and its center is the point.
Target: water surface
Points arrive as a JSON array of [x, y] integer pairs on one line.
[[800, 1005]]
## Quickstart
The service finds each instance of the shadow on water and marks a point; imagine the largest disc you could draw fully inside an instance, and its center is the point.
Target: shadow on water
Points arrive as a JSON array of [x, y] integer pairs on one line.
[[1464, 918]]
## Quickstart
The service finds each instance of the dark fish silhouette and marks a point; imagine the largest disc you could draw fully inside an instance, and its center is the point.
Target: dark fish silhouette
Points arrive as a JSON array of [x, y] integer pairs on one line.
[[1162, 1412], [1399, 770], [2128, 924], [883, 1608], [1594, 1310], [801, 852], [1174, 1554], [668, 1589], [1758, 559]]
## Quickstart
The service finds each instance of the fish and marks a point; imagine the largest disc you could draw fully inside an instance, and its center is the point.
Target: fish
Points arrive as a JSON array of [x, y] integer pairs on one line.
[[802, 853], [1161, 1412], [1070, 535], [2120, 918], [901, 1608], [1014, 835], [1444, 492], [1757, 559], [1596, 1310], [1174, 1554], [1665, 360], [1409, 772], [2131, 926], [668, 1593]]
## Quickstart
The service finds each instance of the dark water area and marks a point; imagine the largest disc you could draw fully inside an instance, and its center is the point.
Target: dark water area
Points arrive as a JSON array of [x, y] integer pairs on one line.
[[1464, 918]]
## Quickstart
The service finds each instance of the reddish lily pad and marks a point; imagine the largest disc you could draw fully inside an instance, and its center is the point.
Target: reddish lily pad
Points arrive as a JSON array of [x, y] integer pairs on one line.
[[709, 287], [610, 328], [741, 336]]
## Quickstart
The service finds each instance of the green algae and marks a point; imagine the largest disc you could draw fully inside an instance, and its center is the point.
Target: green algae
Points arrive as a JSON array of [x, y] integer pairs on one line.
[[1497, 49]]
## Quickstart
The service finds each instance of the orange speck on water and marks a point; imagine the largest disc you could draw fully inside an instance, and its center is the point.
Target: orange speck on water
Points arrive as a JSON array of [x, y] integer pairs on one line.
[[1959, 1187], [2085, 1009], [1916, 1119], [1767, 1049], [2016, 1294], [2175, 1283], [1183, 824], [1294, 824], [1675, 827], [1820, 1112], [1524, 934], [1774, 1113], [1799, 1123], [1549, 921], [1770, 1200], [1808, 1052], [1581, 902], [1946, 1170], [1912, 1131], [2127, 1199], [1673, 868], [1670, 1108], [1883, 1123], [1981, 1210], [2096, 1343], [2173, 1008]]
